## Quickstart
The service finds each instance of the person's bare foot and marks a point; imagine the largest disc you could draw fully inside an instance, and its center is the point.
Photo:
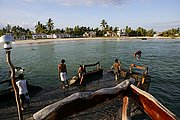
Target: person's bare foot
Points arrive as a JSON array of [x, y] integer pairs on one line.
[[22, 108]]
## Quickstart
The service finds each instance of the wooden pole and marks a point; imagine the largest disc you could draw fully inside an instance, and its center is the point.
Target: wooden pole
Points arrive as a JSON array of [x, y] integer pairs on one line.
[[16, 91], [126, 108]]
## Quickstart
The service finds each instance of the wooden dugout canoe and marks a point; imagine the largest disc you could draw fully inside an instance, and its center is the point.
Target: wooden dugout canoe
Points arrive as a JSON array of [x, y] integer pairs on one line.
[[149, 104], [126, 90], [88, 76], [73, 103]]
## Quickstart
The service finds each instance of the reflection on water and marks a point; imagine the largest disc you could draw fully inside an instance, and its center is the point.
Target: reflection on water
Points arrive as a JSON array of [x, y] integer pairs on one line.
[[161, 56]]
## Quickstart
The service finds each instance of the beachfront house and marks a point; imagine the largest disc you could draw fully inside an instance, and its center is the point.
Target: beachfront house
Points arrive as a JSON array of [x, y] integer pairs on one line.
[[39, 36], [110, 34], [89, 34], [52, 36], [64, 35]]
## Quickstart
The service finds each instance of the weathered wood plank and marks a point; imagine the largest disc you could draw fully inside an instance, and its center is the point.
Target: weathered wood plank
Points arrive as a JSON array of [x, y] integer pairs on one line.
[[151, 105], [125, 109], [81, 101]]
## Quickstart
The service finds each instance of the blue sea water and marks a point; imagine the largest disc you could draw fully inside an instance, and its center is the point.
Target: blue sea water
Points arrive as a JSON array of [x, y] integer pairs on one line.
[[162, 56]]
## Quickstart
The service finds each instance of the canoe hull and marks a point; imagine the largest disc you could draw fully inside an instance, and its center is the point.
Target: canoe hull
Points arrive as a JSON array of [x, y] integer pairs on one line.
[[88, 77]]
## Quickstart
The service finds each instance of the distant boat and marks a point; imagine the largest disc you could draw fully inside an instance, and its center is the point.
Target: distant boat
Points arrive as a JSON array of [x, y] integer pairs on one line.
[[144, 39]]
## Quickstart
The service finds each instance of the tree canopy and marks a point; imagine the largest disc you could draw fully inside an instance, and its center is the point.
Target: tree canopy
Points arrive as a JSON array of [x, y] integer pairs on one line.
[[48, 28]]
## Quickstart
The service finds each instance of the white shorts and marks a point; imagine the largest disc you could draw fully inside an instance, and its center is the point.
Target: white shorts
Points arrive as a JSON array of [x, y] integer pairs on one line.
[[63, 76]]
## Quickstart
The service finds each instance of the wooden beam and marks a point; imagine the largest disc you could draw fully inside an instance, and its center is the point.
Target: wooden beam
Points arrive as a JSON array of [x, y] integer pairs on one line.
[[80, 101], [151, 105], [125, 109]]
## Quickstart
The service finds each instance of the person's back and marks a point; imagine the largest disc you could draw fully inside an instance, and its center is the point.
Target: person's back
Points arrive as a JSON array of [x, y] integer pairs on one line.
[[116, 66], [62, 73], [22, 85], [62, 67]]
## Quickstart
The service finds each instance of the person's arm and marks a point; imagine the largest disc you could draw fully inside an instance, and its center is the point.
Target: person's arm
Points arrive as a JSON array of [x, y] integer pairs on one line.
[[65, 69], [119, 67], [27, 84], [79, 69], [134, 54], [112, 66]]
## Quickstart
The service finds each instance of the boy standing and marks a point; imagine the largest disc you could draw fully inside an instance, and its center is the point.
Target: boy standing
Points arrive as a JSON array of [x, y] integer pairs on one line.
[[23, 92]]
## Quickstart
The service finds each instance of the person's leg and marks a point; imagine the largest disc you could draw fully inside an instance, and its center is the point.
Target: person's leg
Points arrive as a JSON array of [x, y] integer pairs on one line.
[[67, 82], [22, 99], [63, 83], [62, 80], [65, 79], [81, 79], [27, 99]]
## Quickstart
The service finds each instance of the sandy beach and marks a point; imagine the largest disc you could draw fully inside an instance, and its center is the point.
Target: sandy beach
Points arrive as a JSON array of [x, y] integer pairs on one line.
[[38, 41]]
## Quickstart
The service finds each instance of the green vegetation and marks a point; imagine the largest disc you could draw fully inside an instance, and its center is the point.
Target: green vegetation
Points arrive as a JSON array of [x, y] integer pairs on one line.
[[104, 30], [17, 31], [171, 33]]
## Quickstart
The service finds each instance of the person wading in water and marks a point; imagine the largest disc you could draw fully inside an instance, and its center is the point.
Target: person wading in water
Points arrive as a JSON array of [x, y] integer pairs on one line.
[[117, 67], [62, 73], [137, 54]]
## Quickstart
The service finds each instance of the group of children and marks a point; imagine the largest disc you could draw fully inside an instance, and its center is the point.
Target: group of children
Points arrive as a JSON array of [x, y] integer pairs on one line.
[[62, 73], [117, 64], [22, 84]]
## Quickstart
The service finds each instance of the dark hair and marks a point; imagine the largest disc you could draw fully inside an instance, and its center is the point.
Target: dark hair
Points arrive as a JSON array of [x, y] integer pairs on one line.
[[21, 76], [116, 60], [62, 61]]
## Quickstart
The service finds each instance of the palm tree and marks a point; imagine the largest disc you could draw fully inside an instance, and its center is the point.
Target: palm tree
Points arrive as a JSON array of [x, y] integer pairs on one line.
[[8, 28], [37, 27], [128, 31], [40, 28], [50, 25], [104, 25]]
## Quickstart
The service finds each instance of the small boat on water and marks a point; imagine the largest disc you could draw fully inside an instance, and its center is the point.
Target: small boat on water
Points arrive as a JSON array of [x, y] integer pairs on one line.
[[88, 76], [143, 38]]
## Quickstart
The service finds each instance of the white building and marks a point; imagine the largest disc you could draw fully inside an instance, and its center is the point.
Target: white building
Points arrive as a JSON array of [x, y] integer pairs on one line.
[[89, 34], [52, 36]]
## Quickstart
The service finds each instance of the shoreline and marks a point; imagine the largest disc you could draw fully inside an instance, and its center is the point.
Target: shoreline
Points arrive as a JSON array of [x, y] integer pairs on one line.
[[31, 41]]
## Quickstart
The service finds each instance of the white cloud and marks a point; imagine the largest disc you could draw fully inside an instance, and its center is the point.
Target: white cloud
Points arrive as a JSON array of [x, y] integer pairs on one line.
[[81, 2]]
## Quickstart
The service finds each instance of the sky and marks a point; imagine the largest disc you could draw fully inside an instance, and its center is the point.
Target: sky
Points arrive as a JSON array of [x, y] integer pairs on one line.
[[159, 15]]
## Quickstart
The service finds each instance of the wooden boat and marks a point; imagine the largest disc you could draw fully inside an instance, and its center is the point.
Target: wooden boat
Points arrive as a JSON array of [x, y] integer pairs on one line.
[[133, 89], [88, 76], [150, 105]]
